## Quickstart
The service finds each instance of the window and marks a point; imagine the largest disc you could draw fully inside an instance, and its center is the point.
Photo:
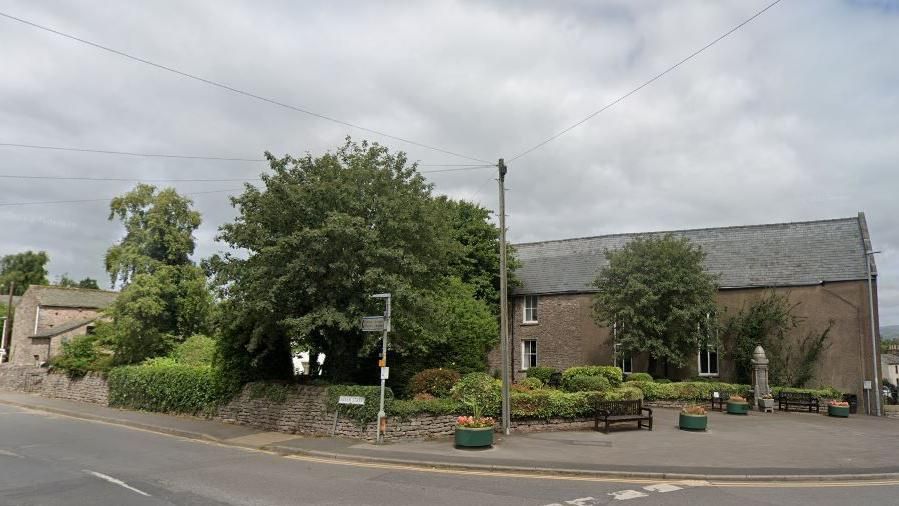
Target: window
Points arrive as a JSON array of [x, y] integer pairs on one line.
[[530, 309], [528, 353]]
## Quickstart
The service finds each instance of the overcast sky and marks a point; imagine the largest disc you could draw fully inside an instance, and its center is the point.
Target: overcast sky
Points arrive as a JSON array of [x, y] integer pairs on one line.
[[793, 117]]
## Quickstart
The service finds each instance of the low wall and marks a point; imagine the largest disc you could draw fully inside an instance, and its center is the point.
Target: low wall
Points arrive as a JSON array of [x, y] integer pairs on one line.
[[91, 388]]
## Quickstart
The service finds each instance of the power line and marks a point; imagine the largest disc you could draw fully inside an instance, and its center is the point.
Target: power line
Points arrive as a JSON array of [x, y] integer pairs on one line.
[[645, 84], [238, 91], [185, 157], [10, 204]]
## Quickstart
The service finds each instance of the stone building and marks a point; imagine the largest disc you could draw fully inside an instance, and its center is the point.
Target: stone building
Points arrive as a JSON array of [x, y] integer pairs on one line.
[[47, 316], [821, 265]]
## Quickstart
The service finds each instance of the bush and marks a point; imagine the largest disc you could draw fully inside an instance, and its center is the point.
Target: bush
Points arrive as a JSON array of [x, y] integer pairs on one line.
[[479, 391], [639, 376], [195, 350], [611, 373], [437, 382], [820, 393], [405, 409], [582, 383], [527, 384], [663, 380], [541, 373], [424, 396], [360, 414], [691, 391], [166, 386], [82, 355], [275, 392], [625, 393], [551, 403]]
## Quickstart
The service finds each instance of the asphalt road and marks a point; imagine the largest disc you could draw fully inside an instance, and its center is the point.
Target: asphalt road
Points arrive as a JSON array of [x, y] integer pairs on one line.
[[48, 459]]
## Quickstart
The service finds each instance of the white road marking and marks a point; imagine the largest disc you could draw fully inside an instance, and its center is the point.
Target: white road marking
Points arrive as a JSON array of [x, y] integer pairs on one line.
[[11, 454], [662, 488], [583, 501], [112, 480], [624, 495]]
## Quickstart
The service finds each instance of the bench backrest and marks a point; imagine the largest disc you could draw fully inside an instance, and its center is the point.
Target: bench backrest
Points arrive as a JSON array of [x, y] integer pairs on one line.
[[796, 396], [620, 407]]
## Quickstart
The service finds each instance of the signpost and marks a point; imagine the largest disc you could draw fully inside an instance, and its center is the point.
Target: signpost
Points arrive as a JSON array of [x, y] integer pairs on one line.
[[382, 324]]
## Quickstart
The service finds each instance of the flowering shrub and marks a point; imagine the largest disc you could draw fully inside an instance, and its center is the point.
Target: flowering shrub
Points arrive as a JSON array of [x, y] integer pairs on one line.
[[472, 422], [736, 398], [839, 404], [694, 410]]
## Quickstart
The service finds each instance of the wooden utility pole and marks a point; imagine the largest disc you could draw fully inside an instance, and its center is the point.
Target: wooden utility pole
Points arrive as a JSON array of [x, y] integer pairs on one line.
[[504, 302]]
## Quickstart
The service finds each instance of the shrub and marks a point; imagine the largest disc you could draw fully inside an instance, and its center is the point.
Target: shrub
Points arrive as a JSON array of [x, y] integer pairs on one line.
[[82, 355], [686, 391], [366, 413], [479, 392], [437, 382], [527, 384], [662, 380], [541, 373], [694, 410], [405, 409], [820, 393], [582, 383], [639, 376], [275, 392], [551, 403], [625, 393], [195, 350], [611, 373], [164, 385], [423, 396]]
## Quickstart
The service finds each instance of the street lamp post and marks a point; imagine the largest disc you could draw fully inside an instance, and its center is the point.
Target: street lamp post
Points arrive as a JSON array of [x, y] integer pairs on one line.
[[875, 382]]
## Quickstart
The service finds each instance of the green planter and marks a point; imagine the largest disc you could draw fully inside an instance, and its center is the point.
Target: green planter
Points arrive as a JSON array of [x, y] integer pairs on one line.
[[467, 437], [693, 422], [838, 411], [737, 408]]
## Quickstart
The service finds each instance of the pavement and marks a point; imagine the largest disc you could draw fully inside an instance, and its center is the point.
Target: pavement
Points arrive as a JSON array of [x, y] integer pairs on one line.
[[762, 447]]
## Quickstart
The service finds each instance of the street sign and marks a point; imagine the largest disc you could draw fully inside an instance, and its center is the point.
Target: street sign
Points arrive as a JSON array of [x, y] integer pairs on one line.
[[385, 373], [354, 400], [372, 324], [868, 385]]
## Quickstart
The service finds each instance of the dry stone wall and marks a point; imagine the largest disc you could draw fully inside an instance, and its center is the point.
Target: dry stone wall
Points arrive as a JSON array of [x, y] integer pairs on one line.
[[91, 388]]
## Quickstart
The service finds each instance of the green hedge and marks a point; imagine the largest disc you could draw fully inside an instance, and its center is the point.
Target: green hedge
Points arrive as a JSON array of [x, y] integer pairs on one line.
[[550, 403], [479, 389], [361, 414], [611, 373], [639, 376], [820, 393], [166, 386], [541, 373], [405, 409], [580, 383], [686, 391]]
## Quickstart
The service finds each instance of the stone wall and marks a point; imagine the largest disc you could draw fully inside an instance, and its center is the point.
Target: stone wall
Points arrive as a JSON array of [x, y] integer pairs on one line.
[[91, 388], [21, 378]]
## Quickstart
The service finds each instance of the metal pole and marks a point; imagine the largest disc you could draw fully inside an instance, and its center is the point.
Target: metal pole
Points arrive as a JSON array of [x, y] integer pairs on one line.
[[5, 343], [504, 302], [381, 413], [875, 383]]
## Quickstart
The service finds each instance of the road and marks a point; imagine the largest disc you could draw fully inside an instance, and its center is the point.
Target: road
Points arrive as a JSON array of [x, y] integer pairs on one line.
[[50, 460]]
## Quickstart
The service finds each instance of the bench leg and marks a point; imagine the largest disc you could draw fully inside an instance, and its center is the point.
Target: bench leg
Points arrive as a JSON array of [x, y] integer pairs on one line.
[[607, 426], [650, 424]]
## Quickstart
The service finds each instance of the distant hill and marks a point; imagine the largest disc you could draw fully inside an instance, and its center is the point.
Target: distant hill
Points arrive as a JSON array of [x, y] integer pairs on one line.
[[889, 332]]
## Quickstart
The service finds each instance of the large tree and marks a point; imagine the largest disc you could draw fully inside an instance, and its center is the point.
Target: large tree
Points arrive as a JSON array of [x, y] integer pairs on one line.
[[67, 282], [23, 269], [164, 297], [656, 292], [322, 236]]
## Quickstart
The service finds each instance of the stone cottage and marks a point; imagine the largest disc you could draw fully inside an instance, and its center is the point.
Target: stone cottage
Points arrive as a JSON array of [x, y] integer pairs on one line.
[[821, 265], [47, 316]]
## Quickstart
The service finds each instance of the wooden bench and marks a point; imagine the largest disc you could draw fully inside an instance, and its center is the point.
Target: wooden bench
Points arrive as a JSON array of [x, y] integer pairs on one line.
[[610, 412], [718, 401], [803, 400]]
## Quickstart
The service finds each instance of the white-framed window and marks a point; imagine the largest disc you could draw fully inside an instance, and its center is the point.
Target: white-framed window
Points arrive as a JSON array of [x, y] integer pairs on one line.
[[528, 353], [530, 309], [707, 359], [623, 360]]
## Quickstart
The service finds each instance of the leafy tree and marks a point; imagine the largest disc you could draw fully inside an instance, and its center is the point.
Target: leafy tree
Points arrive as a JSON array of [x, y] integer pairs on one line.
[[323, 235], [26, 268], [770, 322], [67, 282], [165, 297], [159, 229], [656, 290]]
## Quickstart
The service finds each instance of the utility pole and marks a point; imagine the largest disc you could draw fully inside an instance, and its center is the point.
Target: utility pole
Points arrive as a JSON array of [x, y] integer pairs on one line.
[[382, 415], [7, 328], [504, 301], [869, 255]]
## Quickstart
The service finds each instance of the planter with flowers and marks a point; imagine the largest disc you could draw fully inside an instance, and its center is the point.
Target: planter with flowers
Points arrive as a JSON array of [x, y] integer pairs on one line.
[[693, 418], [474, 431], [737, 405], [766, 402], [839, 409]]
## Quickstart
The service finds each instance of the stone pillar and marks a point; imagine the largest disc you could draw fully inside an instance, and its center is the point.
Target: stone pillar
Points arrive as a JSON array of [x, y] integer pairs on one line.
[[760, 373]]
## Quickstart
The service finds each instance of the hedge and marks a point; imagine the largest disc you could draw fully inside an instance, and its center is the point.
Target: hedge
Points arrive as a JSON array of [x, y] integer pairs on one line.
[[550, 403], [639, 376], [541, 373], [405, 409], [364, 414], [166, 386], [823, 393], [580, 383], [611, 373], [686, 391]]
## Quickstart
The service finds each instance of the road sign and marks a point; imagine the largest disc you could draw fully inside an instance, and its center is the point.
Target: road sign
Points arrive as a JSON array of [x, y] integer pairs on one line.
[[385, 373], [353, 400], [372, 324]]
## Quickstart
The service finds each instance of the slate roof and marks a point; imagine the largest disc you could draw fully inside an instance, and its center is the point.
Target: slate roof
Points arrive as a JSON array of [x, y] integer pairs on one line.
[[782, 254], [58, 296], [887, 359]]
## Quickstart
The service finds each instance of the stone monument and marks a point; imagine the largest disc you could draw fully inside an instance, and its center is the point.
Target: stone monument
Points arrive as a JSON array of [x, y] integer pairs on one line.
[[760, 380]]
